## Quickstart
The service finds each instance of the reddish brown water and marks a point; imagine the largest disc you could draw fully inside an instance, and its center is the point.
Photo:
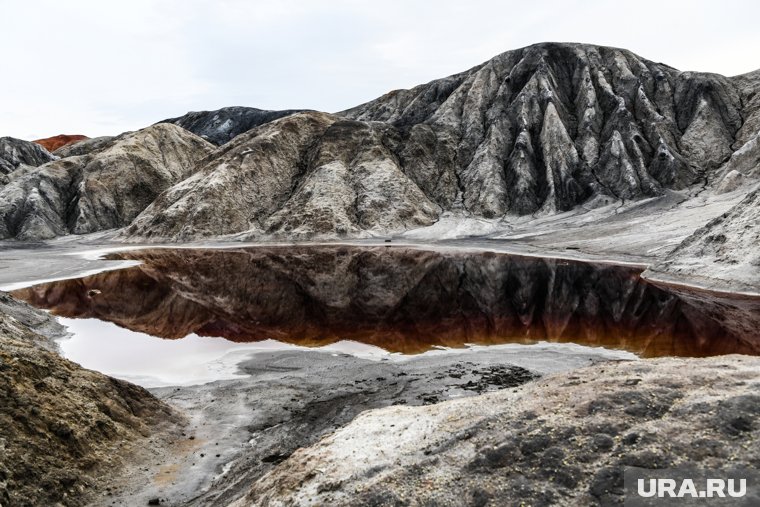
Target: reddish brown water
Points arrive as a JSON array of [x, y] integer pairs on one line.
[[403, 300]]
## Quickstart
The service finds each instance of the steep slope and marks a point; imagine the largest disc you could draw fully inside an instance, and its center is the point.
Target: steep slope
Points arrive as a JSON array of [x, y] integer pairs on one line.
[[537, 130], [15, 152], [723, 255], [104, 190], [59, 141], [551, 125], [743, 167], [749, 87], [220, 126], [305, 175]]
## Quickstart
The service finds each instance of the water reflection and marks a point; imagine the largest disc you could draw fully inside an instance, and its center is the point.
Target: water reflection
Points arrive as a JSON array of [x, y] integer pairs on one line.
[[401, 299]]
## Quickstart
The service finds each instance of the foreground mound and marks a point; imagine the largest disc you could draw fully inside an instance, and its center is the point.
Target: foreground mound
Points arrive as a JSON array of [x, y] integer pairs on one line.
[[563, 440], [63, 429]]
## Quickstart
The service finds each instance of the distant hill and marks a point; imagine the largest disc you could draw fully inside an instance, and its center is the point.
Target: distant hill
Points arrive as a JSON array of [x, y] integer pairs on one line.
[[16, 152], [221, 126]]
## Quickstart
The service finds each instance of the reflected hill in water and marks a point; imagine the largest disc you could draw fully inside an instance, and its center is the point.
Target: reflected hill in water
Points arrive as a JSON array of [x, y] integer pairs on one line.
[[401, 299]]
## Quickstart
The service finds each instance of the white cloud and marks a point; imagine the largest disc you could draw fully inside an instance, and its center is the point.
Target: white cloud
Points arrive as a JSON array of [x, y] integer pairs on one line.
[[94, 67]]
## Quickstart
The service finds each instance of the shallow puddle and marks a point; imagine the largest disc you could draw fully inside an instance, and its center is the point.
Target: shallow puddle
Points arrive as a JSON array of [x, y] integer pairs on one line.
[[396, 299]]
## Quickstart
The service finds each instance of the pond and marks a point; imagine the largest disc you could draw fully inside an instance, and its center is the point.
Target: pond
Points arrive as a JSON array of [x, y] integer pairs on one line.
[[374, 301]]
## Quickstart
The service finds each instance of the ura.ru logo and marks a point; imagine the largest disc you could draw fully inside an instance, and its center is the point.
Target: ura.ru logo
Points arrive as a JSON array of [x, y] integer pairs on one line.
[[713, 488]]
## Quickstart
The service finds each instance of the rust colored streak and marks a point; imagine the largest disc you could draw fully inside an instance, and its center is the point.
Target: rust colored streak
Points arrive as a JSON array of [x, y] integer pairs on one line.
[[402, 300], [53, 143]]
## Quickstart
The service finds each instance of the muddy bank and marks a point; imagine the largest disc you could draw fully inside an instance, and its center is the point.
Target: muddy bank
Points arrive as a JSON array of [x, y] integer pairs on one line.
[[562, 440], [241, 429]]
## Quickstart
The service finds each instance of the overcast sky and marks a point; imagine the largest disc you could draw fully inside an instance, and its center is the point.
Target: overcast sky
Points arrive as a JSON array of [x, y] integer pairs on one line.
[[103, 67]]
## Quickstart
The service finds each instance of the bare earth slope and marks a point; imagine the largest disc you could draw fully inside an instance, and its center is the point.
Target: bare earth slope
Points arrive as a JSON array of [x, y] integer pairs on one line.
[[59, 141], [304, 175], [725, 253], [722, 255], [101, 190], [562, 440], [88, 146], [548, 126]]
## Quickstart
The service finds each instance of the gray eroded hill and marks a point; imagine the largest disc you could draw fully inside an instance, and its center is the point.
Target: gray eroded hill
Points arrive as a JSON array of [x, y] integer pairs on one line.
[[15, 152], [743, 168], [725, 253], [551, 125], [537, 130], [220, 126], [305, 175], [104, 189], [87, 146]]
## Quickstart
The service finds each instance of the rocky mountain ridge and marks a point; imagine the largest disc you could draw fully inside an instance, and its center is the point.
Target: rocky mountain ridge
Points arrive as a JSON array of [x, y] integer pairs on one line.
[[723, 254], [304, 175], [533, 131], [87, 146]]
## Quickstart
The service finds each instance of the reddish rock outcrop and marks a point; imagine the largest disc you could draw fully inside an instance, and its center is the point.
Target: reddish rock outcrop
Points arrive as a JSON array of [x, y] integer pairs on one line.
[[53, 143]]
